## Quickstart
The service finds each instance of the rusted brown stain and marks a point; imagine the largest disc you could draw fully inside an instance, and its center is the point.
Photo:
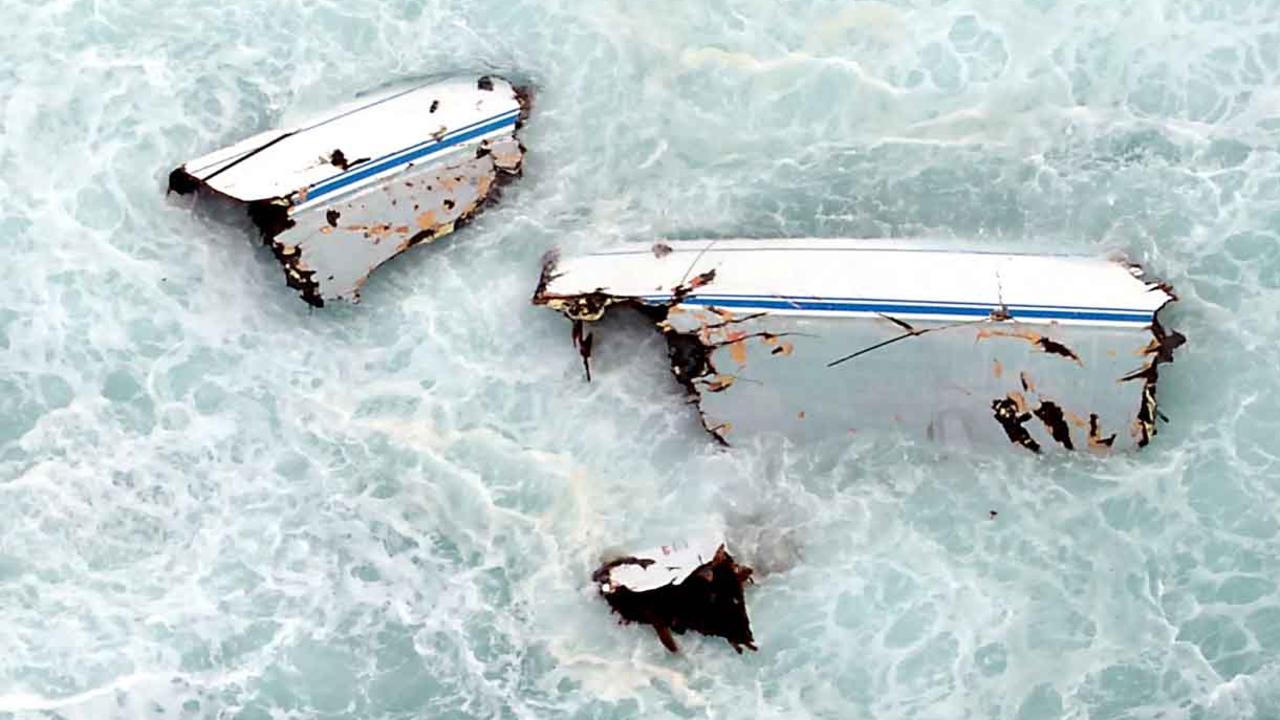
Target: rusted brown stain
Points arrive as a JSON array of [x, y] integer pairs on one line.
[[1076, 420], [1096, 440], [427, 220], [376, 232], [997, 368], [720, 431], [727, 318], [719, 383], [507, 158], [360, 281], [697, 282], [1046, 344], [1019, 400], [272, 216], [297, 274]]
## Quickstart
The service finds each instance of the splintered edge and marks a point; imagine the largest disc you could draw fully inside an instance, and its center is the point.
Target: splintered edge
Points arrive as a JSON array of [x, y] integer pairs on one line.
[[692, 364]]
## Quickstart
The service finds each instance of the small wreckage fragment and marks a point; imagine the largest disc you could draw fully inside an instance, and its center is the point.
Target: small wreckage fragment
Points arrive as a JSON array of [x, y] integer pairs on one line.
[[697, 587], [817, 337], [339, 195]]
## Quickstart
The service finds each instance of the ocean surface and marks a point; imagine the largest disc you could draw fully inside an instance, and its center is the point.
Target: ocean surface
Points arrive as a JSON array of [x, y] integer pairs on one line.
[[216, 502]]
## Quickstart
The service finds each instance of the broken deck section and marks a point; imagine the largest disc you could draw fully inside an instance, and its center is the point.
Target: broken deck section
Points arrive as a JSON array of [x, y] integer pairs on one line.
[[338, 196], [814, 337], [697, 587]]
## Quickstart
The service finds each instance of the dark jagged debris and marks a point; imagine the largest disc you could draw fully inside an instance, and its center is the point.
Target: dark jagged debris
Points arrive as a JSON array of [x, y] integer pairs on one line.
[[182, 182], [339, 160], [1055, 421], [547, 274], [1095, 434], [1053, 347], [688, 355], [582, 340], [690, 358], [1164, 342], [710, 601], [272, 218], [1160, 350], [1009, 413], [271, 215]]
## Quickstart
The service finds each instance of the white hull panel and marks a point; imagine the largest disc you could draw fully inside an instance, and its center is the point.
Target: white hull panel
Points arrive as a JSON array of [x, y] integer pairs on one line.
[[339, 195], [813, 338]]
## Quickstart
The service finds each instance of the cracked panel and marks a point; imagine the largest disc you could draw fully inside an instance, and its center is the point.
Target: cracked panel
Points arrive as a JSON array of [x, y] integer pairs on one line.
[[771, 374], [339, 246], [676, 590], [342, 194], [983, 381]]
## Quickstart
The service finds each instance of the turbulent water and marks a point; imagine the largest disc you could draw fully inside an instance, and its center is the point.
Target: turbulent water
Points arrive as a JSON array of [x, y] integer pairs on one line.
[[216, 503]]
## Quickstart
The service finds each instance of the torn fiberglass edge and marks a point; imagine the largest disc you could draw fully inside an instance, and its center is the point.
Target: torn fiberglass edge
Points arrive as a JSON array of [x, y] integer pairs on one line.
[[696, 587], [812, 337], [338, 196]]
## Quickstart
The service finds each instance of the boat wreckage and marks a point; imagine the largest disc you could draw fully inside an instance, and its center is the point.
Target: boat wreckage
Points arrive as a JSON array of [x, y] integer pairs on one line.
[[338, 196], [812, 337], [695, 587]]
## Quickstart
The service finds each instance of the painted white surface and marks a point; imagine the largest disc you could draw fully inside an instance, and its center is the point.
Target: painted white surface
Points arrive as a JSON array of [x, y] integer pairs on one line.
[[672, 565], [378, 128], [788, 276]]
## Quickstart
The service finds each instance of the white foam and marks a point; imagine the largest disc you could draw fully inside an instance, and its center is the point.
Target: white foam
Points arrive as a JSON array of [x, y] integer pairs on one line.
[[394, 510]]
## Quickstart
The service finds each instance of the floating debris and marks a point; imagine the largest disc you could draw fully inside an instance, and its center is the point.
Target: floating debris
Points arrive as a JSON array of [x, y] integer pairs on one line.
[[338, 196], [697, 588], [814, 337]]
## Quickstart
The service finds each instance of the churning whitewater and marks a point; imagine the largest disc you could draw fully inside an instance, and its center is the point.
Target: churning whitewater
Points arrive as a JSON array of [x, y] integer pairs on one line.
[[221, 503]]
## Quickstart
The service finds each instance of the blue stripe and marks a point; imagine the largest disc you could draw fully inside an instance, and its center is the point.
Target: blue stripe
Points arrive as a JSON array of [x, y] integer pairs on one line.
[[901, 309], [402, 157], [819, 248], [919, 302]]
